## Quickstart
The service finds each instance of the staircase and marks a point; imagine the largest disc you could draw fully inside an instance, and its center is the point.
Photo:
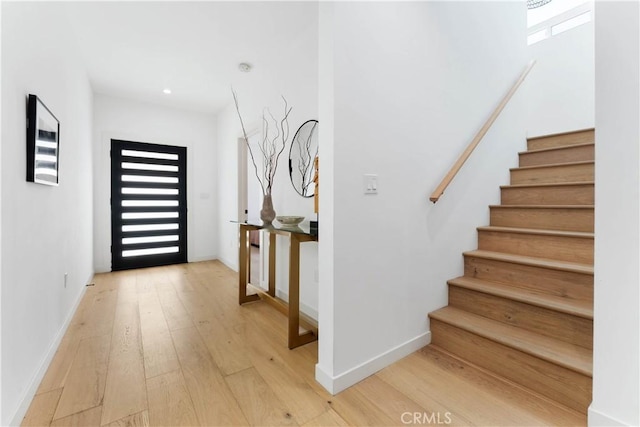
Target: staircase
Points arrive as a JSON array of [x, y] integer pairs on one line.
[[524, 307]]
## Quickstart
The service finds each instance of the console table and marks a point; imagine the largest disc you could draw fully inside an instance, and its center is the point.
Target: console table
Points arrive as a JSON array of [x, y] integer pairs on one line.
[[292, 309]]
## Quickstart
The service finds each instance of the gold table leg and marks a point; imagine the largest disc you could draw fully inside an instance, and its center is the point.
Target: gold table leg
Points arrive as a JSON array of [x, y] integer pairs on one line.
[[244, 262], [295, 338], [272, 264]]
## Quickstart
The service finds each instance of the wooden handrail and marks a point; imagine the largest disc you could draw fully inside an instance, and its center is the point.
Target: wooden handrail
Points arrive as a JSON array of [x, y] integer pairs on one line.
[[476, 140]]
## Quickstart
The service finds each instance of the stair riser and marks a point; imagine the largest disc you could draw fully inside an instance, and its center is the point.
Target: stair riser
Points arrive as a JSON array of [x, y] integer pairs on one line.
[[580, 153], [552, 195], [567, 219], [554, 324], [563, 248], [558, 383], [560, 283], [554, 174], [552, 141]]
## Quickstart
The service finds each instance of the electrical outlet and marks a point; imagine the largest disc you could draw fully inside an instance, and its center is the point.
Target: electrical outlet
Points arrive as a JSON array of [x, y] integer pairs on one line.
[[66, 275]]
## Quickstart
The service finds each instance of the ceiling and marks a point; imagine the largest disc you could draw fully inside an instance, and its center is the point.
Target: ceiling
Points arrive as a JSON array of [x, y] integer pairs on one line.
[[136, 49]]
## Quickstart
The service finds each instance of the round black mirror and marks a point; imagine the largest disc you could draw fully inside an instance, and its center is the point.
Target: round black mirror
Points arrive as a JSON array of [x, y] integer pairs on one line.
[[302, 166]]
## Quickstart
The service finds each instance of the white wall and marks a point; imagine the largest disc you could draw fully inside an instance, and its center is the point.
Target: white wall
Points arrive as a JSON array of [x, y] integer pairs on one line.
[[561, 87], [1, 219], [228, 190], [616, 372], [297, 81], [326, 200], [409, 85], [46, 231], [133, 121]]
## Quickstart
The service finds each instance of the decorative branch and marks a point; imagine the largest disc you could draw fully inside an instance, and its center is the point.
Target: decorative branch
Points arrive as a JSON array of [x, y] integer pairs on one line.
[[270, 148], [284, 126], [304, 162], [308, 161], [246, 138]]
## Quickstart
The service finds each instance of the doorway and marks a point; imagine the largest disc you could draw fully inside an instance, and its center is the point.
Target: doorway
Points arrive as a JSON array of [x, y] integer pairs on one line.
[[148, 205], [250, 197]]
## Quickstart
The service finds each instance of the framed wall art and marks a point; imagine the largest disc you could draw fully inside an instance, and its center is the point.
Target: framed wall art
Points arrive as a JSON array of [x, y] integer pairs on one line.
[[43, 143]]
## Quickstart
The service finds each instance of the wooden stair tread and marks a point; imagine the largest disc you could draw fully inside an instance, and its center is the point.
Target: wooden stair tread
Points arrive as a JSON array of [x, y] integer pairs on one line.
[[552, 165], [558, 233], [561, 139], [563, 147], [548, 184], [541, 206], [531, 138], [558, 414], [528, 296], [533, 261], [575, 358]]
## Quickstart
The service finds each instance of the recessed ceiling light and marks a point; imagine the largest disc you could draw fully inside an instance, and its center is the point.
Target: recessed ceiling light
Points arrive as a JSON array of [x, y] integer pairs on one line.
[[244, 67], [167, 91]]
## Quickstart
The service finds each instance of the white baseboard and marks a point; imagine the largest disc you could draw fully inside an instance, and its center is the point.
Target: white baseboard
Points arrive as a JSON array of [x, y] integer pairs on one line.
[[338, 383], [30, 391], [306, 309], [231, 264], [324, 379], [102, 268], [201, 258], [596, 418]]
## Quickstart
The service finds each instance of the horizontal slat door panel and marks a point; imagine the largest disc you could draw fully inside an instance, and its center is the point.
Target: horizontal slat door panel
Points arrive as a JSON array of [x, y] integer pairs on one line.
[[150, 197], [131, 159], [148, 204]]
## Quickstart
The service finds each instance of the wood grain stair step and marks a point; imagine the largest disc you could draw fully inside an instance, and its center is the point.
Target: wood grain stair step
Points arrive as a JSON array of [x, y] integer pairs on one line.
[[499, 387], [573, 267], [555, 155], [554, 173], [572, 357], [549, 217], [567, 280], [573, 193], [529, 296], [537, 231], [571, 246], [555, 369], [561, 139], [555, 324]]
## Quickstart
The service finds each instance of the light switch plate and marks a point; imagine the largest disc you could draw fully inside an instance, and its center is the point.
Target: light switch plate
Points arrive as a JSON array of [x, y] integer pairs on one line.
[[370, 184]]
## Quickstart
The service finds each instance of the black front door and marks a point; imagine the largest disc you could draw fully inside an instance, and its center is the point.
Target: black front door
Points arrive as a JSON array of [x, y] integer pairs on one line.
[[148, 205]]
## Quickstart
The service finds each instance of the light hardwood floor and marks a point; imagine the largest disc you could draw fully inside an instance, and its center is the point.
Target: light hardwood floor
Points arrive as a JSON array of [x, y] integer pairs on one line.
[[170, 346]]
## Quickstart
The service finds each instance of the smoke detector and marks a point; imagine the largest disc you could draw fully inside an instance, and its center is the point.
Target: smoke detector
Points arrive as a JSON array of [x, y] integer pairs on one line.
[[244, 67]]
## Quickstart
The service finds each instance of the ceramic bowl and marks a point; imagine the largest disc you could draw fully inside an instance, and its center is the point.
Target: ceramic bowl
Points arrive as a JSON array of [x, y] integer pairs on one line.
[[289, 221]]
